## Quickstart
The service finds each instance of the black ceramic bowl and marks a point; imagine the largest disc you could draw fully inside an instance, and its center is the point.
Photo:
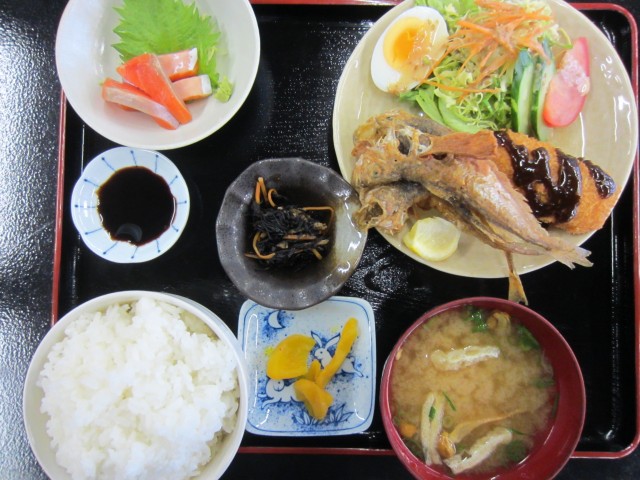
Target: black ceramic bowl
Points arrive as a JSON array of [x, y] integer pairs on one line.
[[305, 184]]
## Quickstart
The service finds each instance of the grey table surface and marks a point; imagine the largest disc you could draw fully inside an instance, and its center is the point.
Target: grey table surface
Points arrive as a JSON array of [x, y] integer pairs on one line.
[[29, 121]]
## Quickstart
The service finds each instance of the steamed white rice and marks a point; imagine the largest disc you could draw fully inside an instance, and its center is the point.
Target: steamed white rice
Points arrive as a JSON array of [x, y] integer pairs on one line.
[[132, 392]]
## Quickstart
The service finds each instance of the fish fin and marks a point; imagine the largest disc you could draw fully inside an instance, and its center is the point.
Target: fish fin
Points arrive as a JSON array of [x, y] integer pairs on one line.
[[570, 258], [480, 145], [516, 289], [386, 207]]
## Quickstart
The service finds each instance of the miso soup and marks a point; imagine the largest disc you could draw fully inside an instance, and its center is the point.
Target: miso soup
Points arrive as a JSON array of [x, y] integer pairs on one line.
[[471, 391]]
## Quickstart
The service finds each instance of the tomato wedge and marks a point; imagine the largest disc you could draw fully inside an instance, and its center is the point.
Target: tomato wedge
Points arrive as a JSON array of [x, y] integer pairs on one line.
[[569, 86]]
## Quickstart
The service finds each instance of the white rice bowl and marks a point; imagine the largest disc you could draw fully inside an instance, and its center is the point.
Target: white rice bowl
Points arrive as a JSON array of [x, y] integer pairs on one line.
[[136, 385]]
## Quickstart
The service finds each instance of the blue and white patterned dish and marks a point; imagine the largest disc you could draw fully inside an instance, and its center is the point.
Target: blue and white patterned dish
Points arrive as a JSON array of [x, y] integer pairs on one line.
[[84, 203], [273, 410]]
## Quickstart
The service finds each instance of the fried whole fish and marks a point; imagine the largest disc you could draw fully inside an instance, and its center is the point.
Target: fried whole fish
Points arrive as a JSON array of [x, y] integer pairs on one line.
[[569, 193], [387, 206], [471, 192], [399, 165]]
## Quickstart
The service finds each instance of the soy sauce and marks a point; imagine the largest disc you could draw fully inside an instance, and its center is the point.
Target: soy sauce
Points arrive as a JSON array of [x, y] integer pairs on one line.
[[136, 205]]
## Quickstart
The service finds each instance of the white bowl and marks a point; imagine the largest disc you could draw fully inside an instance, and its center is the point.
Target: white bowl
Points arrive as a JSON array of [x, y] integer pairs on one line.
[[85, 57], [88, 222], [35, 421]]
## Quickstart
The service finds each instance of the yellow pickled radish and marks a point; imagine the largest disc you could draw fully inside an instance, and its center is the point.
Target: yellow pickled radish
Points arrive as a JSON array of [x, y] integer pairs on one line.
[[316, 399], [433, 238], [290, 357], [313, 371], [347, 337]]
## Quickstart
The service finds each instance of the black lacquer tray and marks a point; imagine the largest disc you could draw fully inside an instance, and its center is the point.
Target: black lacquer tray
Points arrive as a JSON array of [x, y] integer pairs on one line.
[[288, 113]]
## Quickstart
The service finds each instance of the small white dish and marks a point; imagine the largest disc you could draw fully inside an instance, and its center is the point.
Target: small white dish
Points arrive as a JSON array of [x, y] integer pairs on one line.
[[85, 57], [84, 204], [273, 410]]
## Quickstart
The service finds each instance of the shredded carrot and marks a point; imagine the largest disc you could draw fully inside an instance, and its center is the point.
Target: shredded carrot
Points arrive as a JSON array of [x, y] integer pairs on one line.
[[260, 190], [256, 237], [327, 208], [270, 197], [492, 39], [407, 430], [460, 89]]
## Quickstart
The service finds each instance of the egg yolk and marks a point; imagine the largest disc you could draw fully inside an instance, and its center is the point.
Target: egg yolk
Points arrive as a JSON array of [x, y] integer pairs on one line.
[[408, 47], [398, 44]]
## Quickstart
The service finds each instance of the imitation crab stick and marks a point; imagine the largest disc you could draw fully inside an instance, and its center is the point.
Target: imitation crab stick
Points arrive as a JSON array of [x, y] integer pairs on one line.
[[193, 88], [145, 72], [569, 86], [130, 98], [180, 64]]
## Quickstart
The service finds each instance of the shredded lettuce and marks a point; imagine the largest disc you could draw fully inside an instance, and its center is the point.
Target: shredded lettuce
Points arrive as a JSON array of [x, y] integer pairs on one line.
[[166, 26], [447, 98], [451, 10], [225, 89]]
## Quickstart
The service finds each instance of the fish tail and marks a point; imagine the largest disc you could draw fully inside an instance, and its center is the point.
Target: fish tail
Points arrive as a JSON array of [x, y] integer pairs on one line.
[[570, 258], [516, 289]]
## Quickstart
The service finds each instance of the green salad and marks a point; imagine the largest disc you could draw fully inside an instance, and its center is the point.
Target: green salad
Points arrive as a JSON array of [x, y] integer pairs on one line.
[[496, 68]]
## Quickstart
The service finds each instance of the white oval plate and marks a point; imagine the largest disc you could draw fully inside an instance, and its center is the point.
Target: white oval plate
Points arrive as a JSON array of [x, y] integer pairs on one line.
[[84, 203], [273, 410], [606, 132], [85, 57]]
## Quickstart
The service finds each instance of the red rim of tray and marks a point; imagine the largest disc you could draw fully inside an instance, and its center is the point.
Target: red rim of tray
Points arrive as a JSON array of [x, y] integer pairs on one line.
[[57, 258]]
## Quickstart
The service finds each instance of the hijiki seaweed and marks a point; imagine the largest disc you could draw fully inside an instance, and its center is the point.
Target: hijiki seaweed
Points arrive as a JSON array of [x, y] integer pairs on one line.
[[286, 235]]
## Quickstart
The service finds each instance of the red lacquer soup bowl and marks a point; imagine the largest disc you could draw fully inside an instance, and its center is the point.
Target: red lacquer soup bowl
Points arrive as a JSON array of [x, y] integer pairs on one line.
[[550, 448]]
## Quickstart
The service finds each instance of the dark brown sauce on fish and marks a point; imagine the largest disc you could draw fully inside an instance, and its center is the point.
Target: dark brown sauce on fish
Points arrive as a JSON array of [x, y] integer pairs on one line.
[[136, 205], [605, 185], [531, 171]]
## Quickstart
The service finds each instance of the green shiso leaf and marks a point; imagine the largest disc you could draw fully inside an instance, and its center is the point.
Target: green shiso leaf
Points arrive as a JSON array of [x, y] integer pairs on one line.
[[166, 26]]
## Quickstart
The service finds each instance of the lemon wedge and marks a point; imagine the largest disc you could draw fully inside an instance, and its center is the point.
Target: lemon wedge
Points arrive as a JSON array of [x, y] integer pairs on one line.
[[432, 238]]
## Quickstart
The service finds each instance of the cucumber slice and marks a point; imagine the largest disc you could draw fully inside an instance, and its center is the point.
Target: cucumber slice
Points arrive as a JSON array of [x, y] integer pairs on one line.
[[522, 92], [544, 71], [453, 121], [426, 99]]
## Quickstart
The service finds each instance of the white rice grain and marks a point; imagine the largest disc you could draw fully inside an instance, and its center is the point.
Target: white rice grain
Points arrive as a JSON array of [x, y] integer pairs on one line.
[[133, 393]]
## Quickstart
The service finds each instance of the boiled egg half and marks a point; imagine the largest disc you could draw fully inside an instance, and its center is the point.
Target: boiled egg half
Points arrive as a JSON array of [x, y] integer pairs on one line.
[[403, 53]]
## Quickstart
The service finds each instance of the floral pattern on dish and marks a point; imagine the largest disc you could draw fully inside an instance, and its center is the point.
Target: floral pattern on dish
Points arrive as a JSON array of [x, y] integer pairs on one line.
[[273, 407]]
